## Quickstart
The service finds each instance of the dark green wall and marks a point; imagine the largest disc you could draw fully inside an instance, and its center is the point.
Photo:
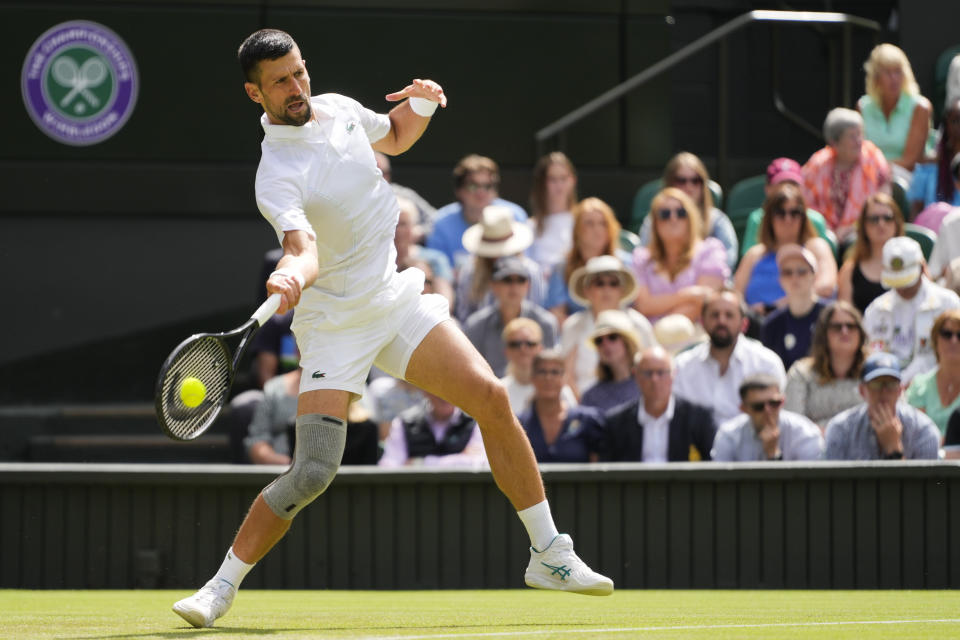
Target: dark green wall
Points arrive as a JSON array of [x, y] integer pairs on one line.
[[690, 525]]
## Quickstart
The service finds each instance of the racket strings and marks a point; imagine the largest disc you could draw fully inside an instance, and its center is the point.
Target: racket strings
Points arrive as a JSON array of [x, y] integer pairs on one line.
[[208, 360]]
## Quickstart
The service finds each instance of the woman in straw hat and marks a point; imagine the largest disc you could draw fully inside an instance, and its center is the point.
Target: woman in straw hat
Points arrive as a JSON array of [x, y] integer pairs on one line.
[[616, 344], [497, 235], [600, 285]]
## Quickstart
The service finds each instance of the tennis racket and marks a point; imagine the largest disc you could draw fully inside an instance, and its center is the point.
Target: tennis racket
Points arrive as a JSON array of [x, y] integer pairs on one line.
[[206, 357]]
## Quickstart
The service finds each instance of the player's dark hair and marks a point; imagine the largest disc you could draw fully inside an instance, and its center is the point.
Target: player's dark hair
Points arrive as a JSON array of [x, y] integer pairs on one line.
[[265, 44]]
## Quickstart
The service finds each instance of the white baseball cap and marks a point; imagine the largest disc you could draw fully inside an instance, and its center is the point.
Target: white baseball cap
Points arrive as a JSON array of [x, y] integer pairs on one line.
[[902, 262]]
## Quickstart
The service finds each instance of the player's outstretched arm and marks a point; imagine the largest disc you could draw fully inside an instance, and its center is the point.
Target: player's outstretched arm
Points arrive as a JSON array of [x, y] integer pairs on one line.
[[296, 270], [406, 124]]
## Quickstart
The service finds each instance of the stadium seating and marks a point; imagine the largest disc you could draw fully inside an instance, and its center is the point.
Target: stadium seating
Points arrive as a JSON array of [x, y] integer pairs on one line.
[[745, 196], [899, 188], [629, 240], [923, 235]]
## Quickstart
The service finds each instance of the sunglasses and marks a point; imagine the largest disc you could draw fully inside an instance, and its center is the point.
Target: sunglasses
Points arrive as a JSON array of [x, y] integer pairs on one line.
[[946, 334], [612, 282], [840, 327], [666, 214], [473, 187], [549, 372], [799, 272], [883, 385], [514, 280], [516, 344], [651, 373], [880, 217], [773, 403], [612, 337], [697, 180], [789, 213]]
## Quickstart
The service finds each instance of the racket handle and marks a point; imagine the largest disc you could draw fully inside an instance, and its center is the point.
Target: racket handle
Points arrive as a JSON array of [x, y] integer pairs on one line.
[[267, 309]]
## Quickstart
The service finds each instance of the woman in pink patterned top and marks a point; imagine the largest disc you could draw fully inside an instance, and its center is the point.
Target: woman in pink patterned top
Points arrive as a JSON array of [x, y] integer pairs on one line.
[[678, 267], [839, 178]]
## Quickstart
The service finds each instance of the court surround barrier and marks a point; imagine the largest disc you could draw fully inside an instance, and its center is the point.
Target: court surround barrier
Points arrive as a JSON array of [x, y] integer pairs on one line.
[[700, 525]]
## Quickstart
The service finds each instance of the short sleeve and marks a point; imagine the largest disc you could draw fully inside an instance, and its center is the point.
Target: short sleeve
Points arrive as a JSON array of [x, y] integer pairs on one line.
[[376, 125], [280, 200], [711, 260]]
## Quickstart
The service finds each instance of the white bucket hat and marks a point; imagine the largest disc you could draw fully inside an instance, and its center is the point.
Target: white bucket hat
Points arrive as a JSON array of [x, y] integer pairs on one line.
[[596, 266], [498, 234]]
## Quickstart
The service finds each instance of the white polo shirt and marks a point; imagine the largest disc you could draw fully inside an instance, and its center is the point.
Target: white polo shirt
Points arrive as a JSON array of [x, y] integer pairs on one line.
[[698, 376], [322, 178]]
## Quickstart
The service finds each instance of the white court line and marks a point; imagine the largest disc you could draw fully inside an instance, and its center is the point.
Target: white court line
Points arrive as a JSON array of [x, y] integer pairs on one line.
[[771, 625]]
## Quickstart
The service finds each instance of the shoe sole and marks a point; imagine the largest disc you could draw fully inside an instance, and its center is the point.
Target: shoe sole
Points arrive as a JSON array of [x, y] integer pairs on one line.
[[193, 617], [597, 590]]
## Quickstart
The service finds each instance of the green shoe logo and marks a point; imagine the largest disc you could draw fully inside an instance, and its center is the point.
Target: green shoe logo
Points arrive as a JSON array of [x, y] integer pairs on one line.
[[561, 571]]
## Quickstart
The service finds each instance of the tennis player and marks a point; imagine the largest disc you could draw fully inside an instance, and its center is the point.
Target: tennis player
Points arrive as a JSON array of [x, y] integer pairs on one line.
[[334, 215]]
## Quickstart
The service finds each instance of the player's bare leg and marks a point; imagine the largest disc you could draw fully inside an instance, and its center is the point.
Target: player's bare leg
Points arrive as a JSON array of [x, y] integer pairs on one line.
[[447, 365], [260, 531]]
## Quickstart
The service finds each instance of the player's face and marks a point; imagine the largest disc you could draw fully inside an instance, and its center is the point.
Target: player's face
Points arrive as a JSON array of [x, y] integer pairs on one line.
[[283, 89]]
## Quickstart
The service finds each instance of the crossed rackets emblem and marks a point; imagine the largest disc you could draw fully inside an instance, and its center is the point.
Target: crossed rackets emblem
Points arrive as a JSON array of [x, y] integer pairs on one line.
[[79, 79]]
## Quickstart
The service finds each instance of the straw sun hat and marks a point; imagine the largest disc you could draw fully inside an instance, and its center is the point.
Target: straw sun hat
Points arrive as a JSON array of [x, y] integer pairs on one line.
[[497, 234], [596, 266]]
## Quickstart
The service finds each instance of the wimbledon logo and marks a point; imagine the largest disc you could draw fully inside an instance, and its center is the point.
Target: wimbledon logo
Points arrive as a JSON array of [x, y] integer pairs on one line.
[[79, 83]]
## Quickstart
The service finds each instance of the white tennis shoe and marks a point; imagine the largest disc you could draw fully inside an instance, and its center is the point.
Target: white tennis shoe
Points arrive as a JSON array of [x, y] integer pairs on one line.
[[558, 567], [212, 601]]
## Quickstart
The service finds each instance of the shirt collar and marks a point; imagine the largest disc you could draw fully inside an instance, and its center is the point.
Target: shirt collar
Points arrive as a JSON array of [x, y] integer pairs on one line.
[[291, 132], [646, 418]]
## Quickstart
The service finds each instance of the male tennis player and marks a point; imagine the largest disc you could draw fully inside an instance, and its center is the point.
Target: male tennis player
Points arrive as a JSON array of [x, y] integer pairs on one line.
[[319, 186]]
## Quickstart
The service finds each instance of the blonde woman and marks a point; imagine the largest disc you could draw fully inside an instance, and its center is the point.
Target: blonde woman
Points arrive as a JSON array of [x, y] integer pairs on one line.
[[596, 232], [677, 267], [685, 171], [937, 392], [896, 117]]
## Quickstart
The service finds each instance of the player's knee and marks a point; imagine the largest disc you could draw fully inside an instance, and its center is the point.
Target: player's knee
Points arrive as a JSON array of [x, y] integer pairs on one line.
[[491, 400], [316, 459]]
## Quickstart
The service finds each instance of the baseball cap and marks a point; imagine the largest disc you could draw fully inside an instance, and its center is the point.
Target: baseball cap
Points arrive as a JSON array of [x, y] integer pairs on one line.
[[796, 251], [510, 266], [902, 258], [784, 169], [880, 364]]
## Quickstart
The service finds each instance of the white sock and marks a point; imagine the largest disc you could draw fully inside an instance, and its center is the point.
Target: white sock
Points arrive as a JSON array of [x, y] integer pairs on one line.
[[539, 524], [233, 570]]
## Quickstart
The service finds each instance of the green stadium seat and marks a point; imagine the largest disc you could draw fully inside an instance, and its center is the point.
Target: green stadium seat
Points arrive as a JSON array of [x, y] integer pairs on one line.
[[629, 240], [940, 69], [926, 237], [745, 196], [641, 203], [899, 188], [646, 193]]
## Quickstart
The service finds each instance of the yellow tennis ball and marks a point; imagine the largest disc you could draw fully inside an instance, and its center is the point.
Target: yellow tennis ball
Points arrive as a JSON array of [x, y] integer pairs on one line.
[[192, 392]]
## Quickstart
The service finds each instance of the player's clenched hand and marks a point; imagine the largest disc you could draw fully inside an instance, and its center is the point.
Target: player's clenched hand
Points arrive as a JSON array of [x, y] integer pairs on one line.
[[287, 286], [426, 89]]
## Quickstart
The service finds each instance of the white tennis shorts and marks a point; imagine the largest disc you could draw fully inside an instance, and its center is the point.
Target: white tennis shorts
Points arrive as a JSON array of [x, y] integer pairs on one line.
[[341, 358]]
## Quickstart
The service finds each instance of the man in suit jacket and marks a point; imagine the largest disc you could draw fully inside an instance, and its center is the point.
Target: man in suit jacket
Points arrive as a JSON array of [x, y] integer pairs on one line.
[[659, 427]]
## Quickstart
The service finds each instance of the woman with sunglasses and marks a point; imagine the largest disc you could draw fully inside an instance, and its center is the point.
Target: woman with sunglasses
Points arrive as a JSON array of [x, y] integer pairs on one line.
[[677, 268], [784, 222], [616, 344], [600, 285], [596, 232], [859, 279], [937, 392], [825, 383], [686, 172], [558, 431]]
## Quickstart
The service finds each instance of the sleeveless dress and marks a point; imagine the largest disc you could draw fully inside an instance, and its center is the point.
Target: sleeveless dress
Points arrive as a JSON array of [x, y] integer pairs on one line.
[[764, 285], [864, 290]]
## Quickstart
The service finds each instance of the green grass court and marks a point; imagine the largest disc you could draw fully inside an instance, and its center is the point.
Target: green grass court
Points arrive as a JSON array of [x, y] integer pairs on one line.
[[713, 615]]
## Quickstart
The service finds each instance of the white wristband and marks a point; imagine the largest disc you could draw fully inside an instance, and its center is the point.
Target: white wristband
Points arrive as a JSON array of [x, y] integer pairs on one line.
[[296, 275], [423, 107]]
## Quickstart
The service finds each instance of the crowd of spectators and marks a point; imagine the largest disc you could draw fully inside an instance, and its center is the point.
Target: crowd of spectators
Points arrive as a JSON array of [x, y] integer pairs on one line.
[[820, 333]]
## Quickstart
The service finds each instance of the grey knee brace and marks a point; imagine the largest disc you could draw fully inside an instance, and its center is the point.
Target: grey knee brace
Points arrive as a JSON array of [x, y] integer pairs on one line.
[[316, 458]]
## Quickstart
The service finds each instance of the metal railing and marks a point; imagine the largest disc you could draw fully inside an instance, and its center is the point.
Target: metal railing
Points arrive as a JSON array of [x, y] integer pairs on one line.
[[719, 35]]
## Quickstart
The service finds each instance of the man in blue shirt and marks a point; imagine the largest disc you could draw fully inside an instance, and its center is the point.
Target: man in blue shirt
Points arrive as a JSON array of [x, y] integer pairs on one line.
[[476, 180]]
